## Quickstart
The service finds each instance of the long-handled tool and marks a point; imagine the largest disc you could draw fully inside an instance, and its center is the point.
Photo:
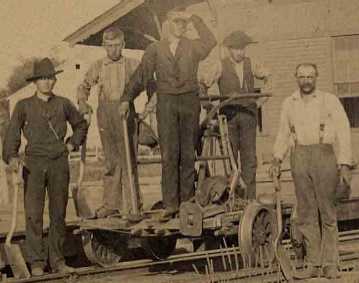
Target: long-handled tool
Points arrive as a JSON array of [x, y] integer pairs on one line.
[[280, 253], [13, 251], [134, 196]]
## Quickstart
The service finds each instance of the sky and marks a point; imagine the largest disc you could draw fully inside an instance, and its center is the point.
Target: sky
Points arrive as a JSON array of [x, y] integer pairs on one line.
[[32, 27]]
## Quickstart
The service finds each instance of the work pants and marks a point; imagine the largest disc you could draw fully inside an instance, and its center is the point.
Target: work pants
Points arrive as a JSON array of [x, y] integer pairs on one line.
[[178, 124], [242, 131], [116, 183], [315, 176], [41, 174]]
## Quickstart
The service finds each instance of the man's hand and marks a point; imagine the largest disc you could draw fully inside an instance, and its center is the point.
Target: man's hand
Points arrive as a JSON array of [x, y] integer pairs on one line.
[[14, 164], [70, 147], [274, 169], [344, 174], [123, 109], [85, 108]]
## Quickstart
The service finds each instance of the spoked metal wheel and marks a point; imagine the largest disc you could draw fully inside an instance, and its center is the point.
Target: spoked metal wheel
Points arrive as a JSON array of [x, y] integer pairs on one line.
[[104, 248], [161, 247], [257, 231]]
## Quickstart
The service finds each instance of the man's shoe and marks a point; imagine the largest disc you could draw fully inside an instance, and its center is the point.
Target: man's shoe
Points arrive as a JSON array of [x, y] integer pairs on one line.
[[168, 214], [37, 269], [308, 272], [61, 267], [331, 272], [104, 212]]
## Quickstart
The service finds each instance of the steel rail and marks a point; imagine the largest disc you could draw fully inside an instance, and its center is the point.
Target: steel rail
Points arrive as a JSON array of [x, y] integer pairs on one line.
[[344, 238]]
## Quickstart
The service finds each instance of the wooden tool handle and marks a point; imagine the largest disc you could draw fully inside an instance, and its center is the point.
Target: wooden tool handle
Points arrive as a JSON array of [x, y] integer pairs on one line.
[[16, 182], [134, 200]]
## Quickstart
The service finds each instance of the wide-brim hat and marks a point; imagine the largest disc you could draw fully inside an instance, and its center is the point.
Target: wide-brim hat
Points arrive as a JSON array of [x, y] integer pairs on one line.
[[237, 40], [43, 68]]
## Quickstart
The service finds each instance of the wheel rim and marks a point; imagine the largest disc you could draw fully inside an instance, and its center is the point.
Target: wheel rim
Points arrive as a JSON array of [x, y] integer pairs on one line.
[[257, 231], [103, 248]]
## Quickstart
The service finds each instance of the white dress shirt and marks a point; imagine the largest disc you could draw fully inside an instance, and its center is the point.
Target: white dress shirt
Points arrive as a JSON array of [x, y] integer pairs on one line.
[[306, 117]]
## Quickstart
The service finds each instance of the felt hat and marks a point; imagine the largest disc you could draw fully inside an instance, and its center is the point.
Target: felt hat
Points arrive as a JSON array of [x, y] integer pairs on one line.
[[237, 40], [43, 68]]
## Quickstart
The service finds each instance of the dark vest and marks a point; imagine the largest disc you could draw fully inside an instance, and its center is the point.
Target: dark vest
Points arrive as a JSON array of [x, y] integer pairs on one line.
[[229, 83]]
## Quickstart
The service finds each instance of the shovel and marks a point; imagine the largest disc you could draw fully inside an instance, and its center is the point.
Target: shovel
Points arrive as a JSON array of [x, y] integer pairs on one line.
[[13, 251], [280, 253]]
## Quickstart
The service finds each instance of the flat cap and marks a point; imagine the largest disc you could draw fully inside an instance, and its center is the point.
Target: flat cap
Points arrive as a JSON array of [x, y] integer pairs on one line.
[[237, 40]]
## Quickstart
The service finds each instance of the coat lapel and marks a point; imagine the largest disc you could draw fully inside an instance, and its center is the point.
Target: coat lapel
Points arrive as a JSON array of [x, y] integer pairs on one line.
[[167, 51]]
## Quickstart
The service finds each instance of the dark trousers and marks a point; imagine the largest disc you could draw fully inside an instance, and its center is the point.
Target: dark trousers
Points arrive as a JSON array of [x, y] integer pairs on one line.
[[242, 131], [41, 174], [178, 123], [315, 176], [116, 183]]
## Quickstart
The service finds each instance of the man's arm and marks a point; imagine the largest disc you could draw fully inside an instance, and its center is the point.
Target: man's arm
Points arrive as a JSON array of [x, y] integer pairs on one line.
[[12, 139], [142, 77], [282, 142], [84, 89], [262, 73], [343, 133], [210, 75], [206, 41], [78, 124]]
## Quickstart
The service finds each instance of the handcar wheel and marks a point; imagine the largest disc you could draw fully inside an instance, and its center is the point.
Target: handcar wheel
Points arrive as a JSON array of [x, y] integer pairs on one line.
[[159, 248], [257, 231], [104, 248]]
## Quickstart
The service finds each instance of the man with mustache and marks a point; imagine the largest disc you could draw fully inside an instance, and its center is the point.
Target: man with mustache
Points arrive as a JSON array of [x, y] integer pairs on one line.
[[311, 122]]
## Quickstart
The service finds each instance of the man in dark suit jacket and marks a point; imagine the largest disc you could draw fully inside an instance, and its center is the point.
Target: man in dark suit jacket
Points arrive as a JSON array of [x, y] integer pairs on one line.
[[175, 61]]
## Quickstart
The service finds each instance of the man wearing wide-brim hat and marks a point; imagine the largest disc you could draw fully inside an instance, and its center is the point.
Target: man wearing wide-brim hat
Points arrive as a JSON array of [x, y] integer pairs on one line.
[[235, 75], [42, 118]]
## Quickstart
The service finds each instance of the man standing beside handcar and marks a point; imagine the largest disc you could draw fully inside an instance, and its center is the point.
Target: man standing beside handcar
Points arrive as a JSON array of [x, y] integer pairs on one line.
[[42, 118], [311, 122], [235, 75], [174, 60]]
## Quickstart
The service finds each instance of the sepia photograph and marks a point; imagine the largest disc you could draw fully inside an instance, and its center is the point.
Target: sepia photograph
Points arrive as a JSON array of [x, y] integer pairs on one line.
[[169, 141]]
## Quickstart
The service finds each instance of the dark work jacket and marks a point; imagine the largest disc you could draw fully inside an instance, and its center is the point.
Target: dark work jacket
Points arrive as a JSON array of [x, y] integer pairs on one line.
[[32, 115], [174, 74], [229, 83]]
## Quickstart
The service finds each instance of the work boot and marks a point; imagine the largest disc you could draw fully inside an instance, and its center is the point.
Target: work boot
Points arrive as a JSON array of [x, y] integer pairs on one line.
[[37, 269], [308, 272], [168, 214], [61, 267], [331, 272], [104, 212]]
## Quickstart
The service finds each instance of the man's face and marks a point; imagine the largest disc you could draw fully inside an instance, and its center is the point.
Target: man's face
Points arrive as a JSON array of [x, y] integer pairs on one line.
[[45, 85], [177, 27], [237, 54], [114, 48], [306, 79]]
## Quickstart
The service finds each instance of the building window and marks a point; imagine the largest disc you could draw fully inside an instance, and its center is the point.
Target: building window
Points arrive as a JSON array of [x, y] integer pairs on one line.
[[346, 74]]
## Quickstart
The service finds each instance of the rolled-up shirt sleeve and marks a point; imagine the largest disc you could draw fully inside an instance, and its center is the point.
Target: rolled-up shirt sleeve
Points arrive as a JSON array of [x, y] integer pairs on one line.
[[343, 133], [282, 142], [91, 78]]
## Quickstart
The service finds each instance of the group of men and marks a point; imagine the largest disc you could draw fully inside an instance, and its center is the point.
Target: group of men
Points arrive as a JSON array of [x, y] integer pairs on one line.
[[311, 121]]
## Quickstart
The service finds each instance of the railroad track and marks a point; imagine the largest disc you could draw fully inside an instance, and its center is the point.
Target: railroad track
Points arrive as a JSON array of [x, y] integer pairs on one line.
[[230, 257]]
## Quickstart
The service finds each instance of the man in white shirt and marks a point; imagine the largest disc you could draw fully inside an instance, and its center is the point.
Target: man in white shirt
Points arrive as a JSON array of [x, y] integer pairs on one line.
[[235, 75], [312, 122]]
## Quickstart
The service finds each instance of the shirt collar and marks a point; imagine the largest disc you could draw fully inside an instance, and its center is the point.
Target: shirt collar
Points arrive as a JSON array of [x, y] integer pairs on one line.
[[43, 97], [108, 61], [296, 95]]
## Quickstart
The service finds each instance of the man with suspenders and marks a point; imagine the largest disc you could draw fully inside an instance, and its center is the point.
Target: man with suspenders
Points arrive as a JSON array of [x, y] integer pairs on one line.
[[111, 75], [312, 122]]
